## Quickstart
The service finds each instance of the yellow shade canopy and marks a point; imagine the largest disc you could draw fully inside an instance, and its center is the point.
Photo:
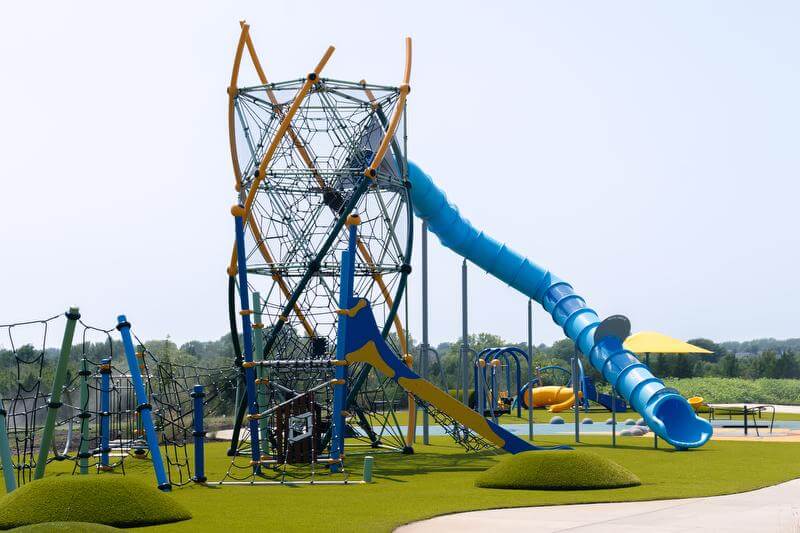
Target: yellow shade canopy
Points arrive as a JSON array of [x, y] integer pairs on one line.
[[652, 342]]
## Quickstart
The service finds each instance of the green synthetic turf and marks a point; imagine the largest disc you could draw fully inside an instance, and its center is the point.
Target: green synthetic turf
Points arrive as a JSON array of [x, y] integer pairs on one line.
[[65, 527], [557, 470], [103, 499], [440, 479]]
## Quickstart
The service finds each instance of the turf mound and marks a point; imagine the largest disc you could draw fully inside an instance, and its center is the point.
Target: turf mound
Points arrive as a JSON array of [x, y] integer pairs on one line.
[[556, 470], [65, 527], [111, 500]]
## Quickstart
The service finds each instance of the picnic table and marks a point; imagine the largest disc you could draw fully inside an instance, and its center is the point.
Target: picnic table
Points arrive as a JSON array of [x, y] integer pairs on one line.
[[745, 410]]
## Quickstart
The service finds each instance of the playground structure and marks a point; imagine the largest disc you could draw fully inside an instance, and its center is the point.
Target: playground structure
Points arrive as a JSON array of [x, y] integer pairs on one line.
[[113, 403], [499, 390], [324, 227], [666, 412]]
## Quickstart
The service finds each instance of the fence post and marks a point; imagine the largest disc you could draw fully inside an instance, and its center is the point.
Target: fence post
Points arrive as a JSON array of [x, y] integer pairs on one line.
[[105, 405], [5, 453], [199, 435], [55, 393], [144, 408]]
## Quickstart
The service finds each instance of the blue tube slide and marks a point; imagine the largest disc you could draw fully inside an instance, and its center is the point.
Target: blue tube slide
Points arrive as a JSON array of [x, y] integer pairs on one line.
[[664, 410]]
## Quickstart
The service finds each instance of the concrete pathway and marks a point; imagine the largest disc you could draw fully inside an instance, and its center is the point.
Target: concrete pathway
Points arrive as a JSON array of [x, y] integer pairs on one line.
[[775, 508]]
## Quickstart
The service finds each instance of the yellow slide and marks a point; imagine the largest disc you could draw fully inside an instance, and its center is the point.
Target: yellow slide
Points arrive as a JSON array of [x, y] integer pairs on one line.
[[544, 396], [565, 405]]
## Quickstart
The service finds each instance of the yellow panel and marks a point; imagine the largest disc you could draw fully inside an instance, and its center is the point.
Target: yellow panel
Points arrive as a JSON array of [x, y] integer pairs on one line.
[[652, 342]]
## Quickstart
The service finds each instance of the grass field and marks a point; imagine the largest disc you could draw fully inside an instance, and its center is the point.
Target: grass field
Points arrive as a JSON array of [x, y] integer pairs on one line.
[[440, 479], [542, 416]]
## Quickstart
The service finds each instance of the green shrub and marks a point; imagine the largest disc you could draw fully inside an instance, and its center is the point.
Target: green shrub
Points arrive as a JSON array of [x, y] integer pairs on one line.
[[557, 470], [739, 390], [101, 499]]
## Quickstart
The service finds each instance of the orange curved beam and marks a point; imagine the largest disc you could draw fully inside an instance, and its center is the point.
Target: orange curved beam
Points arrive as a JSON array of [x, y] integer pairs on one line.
[[245, 39], [232, 89], [284, 126], [321, 182], [405, 88], [277, 276], [301, 149], [371, 172]]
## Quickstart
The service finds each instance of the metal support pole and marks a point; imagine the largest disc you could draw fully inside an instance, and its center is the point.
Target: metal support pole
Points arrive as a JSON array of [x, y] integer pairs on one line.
[[105, 406], [84, 416], [247, 336], [465, 366], [346, 301], [424, 348], [613, 416], [5, 453], [261, 382], [55, 393], [144, 408], [199, 435], [575, 392], [530, 370]]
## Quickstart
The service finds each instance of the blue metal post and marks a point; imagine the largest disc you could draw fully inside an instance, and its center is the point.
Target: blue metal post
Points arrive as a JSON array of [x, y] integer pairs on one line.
[[105, 405], [247, 335], [346, 283], [143, 406], [199, 435]]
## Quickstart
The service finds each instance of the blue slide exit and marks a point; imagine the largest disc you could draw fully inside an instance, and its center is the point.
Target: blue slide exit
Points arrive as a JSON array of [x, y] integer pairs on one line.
[[664, 410]]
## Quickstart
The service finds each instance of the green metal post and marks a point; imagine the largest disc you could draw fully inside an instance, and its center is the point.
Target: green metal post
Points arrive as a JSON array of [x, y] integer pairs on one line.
[[368, 462], [84, 415], [5, 453], [261, 394], [55, 393]]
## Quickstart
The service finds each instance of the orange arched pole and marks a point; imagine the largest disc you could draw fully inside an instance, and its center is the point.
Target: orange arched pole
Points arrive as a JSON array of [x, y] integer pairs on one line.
[[244, 39], [237, 61], [372, 173]]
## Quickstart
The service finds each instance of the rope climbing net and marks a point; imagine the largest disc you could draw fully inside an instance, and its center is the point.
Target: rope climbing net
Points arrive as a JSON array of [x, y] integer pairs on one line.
[[313, 178], [98, 423]]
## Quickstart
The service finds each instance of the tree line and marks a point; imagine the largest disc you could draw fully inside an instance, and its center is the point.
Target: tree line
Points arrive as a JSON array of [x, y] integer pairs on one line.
[[759, 358]]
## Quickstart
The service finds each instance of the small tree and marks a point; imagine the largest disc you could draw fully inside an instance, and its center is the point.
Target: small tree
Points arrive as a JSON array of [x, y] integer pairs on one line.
[[729, 366], [682, 368]]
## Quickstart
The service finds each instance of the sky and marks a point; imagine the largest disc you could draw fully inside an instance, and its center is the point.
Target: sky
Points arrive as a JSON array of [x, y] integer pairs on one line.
[[644, 152]]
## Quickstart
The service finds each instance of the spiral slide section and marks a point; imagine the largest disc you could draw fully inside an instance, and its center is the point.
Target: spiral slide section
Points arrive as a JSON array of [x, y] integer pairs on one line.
[[664, 410]]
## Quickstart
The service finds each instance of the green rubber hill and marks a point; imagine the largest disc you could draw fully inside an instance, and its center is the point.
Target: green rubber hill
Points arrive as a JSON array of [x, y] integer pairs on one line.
[[556, 470], [119, 501]]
